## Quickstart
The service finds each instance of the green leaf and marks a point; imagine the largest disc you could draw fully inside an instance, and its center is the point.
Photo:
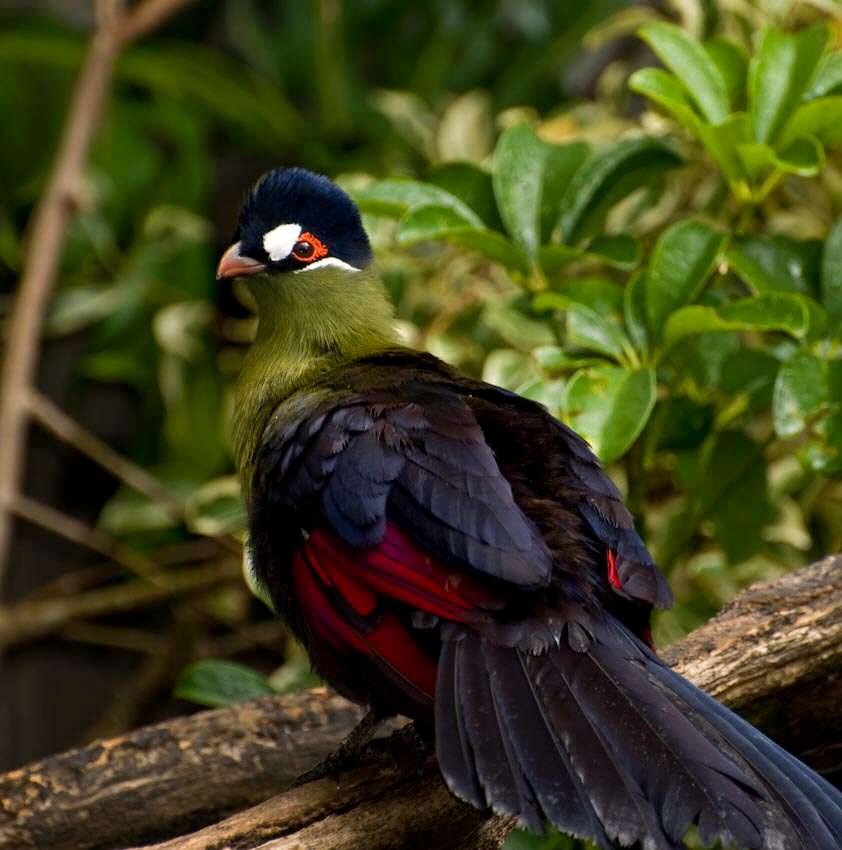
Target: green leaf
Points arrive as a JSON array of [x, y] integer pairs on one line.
[[554, 359], [561, 164], [523, 167], [683, 259], [821, 118], [215, 683], [689, 61], [733, 491], [801, 391], [804, 156], [507, 368], [586, 329], [550, 393], [472, 185], [667, 91], [607, 178], [773, 312], [599, 293], [609, 406], [828, 79], [723, 141], [720, 140], [775, 263], [436, 222], [832, 278], [781, 73], [620, 250], [398, 196], [515, 327], [731, 60], [634, 310]]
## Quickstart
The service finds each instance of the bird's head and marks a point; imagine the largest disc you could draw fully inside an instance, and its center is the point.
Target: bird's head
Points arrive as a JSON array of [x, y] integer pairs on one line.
[[294, 221]]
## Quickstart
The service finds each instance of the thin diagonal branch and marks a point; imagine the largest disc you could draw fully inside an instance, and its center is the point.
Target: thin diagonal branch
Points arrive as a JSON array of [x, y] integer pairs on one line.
[[47, 234]]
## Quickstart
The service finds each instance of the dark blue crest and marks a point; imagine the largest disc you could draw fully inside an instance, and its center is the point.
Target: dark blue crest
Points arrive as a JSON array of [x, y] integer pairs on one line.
[[319, 206]]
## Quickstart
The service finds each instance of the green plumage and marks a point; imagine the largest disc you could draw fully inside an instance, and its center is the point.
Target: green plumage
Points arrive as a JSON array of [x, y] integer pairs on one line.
[[307, 324]]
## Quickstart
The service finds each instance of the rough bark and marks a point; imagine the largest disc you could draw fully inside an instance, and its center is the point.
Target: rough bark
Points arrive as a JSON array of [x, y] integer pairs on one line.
[[775, 654]]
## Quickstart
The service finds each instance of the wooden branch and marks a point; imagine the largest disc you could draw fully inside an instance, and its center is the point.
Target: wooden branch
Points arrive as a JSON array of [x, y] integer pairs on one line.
[[36, 618], [778, 643], [47, 234]]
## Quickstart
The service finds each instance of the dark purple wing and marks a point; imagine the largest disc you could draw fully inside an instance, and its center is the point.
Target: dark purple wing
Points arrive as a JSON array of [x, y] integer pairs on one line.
[[413, 455]]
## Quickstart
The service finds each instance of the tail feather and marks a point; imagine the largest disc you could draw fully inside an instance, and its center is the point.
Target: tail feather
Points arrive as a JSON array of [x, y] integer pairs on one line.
[[608, 743], [505, 785], [811, 801], [540, 755], [456, 758]]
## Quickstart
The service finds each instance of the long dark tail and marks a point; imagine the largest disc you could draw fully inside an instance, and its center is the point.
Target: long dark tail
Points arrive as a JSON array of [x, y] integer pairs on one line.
[[608, 743]]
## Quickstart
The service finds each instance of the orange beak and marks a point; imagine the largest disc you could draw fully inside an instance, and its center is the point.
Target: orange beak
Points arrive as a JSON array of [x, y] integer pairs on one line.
[[232, 264]]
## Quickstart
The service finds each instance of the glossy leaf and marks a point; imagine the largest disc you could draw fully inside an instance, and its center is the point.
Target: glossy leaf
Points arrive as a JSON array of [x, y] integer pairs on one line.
[[507, 368], [683, 259], [634, 311], [731, 60], [609, 406], [554, 359], [518, 176], [775, 263], [435, 222], [398, 196], [804, 156], [523, 166], [561, 164], [801, 390], [773, 312], [664, 88], [607, 178], [599, 294], [515, 327], [620, 250], [733, 492], [689, 61], [832, 278], [723, 142], [472, 185], [781, 73], [828, 79], [821, 118], [587, 330], [215, 683]]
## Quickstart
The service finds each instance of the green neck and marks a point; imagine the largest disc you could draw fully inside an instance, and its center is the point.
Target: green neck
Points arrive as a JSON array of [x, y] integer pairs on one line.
[[308, 323]]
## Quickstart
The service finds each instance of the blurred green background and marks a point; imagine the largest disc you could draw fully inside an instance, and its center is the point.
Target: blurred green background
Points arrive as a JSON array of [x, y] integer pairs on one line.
[[724, 430]]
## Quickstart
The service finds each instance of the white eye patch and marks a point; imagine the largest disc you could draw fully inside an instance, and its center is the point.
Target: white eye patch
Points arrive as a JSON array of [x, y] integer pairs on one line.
[[279, 241]]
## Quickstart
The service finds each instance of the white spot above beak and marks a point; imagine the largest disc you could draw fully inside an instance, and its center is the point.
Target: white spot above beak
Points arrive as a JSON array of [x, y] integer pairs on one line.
[[278, 242]]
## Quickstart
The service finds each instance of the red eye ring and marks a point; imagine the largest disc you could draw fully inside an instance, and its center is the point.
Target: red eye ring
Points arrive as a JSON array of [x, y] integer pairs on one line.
[[309, 248]]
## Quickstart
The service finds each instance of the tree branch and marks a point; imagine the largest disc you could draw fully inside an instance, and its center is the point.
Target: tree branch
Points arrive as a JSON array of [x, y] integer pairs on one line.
[[47, 234], [778, 645]]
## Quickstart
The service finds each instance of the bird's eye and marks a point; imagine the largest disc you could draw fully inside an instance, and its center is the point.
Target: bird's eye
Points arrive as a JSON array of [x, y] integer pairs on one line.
[[303, 250], [309, 248]]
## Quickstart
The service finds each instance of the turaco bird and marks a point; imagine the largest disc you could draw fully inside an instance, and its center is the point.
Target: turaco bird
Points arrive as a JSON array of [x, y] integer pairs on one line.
[[447, 550]]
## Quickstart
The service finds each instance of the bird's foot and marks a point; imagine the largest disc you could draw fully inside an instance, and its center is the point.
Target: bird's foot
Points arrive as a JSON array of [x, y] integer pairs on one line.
[[348, 752], [421, 737]]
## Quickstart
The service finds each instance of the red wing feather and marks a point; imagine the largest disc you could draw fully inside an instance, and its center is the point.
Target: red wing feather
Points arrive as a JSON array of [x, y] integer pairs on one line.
[[340, 591], [399, 570]]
